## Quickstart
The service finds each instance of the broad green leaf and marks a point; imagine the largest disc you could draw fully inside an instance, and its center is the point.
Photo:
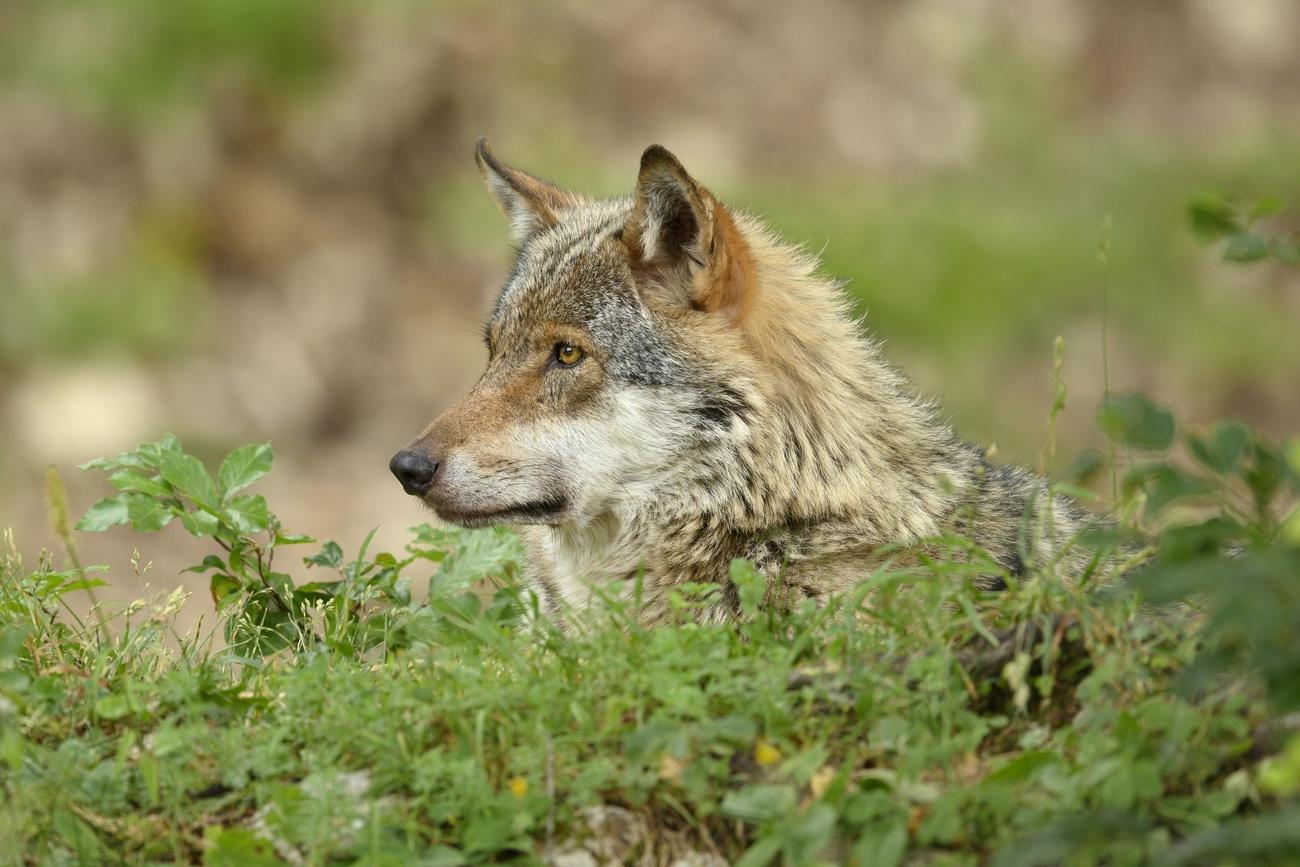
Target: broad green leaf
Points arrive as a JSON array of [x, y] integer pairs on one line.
[[244, 466], [1022, 767], [1135, 420], [210, 562], [248, 513], [222, 587], [186, 474], [1167, 484], [108, 512], [1267, 472], [132, 480], [200, 523], [330, 555], [147, 514], [1212, 217], [1224, 448]]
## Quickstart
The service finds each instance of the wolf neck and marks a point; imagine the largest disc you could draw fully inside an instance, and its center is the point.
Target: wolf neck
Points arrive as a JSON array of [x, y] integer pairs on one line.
[[837, 437]]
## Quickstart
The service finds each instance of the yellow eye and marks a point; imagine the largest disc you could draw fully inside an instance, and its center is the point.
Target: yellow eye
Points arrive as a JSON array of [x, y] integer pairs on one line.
[[568, 354]]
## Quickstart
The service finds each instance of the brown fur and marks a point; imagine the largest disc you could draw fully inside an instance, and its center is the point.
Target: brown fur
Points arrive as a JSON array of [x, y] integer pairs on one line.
[[727, 407]]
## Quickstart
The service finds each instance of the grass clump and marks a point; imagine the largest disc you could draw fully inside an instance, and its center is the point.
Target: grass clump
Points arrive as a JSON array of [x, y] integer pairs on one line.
[[921, 719]]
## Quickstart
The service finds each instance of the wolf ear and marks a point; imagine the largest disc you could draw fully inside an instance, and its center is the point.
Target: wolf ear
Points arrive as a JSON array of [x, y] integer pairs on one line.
[[679, 230], [531, 204]]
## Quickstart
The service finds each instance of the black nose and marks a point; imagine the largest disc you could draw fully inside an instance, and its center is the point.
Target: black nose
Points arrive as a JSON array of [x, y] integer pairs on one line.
[[413, 470]]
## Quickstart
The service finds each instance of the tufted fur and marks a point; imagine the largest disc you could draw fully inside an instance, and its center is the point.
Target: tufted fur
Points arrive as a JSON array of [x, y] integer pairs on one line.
[[727, 406]]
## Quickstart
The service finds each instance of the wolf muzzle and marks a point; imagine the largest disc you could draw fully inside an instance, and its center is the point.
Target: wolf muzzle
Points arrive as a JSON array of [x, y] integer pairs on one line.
[[414, 470]]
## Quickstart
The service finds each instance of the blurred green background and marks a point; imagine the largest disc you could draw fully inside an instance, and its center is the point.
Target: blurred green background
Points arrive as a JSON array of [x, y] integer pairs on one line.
[[242, 220]]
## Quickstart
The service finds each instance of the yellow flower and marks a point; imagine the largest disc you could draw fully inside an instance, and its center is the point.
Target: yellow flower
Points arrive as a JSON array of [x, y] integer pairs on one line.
[[766, 754], [518, 786]]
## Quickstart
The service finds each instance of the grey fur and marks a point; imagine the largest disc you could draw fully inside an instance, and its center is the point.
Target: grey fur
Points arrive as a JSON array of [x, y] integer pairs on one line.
[[713, 420]]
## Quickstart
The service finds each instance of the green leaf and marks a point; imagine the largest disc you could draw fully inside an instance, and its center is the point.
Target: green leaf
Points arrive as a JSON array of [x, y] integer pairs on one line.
[[244, 466], [761, 803], [147, 514], [1224, 448], [108, 512], [248, 513], [761, 853], [1084, 467], [200, 523], [1267, 471], [1212, 217], [237, 847], [80, 836], [210, 562], [750, 584], [131, 480], [1265, 207], [330, 555], [1166, 484], [222, 587], [1022, 767], [1246, 248], [186, 474], [882, 845], [112, 707], [1135, 420]]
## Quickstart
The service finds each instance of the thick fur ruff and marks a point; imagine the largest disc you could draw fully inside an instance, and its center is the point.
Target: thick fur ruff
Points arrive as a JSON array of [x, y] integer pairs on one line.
[[724, 404]]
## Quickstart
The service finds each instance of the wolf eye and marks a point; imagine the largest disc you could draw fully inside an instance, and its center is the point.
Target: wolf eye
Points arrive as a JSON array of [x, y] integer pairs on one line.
[[568, 354]]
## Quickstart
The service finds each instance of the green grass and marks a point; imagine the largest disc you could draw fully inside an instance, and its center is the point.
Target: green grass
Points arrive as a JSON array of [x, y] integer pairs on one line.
[[346, 722]]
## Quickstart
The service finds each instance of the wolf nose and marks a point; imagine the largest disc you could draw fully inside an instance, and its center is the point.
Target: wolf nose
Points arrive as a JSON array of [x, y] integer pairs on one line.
[[413, 470]]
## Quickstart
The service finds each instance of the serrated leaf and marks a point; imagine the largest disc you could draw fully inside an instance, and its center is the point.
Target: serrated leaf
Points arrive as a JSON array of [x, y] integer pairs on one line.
[[108, 512], [244, 466], [187, 475], [1135, 420]]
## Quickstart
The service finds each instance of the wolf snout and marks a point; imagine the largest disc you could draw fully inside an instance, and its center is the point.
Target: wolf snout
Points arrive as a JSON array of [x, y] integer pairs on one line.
[[415, 470]]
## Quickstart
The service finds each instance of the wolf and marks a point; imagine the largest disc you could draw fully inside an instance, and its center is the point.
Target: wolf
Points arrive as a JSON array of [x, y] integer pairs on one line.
[[671, 387]]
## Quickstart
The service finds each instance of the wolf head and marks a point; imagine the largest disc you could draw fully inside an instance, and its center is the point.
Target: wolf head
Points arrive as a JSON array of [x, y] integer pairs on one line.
[[617, 360]]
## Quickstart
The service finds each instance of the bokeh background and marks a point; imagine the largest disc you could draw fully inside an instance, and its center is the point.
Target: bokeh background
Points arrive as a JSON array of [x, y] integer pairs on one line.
[[243, 220]]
